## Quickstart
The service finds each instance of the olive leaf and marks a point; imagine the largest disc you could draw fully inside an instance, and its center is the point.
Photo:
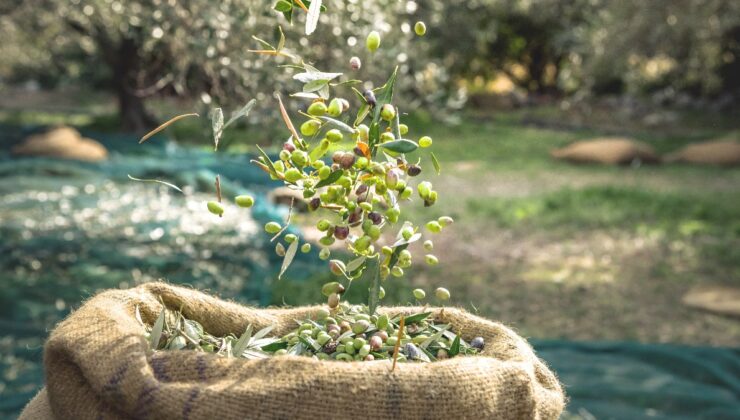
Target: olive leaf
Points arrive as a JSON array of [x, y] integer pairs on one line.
[[157, 330], [312, 19], [315, 85], [312, 75], [338, 125], [306, 95], [434, 338], [435, 162], [374, 297], [330, 179], [281, 42], [173, 186], [243, 112], [243, 342], [416, 318], [400, 146], [355, 264], [263, 332], [217, 123], [268, 162], [289, 255], [283, 6], [455, 346]]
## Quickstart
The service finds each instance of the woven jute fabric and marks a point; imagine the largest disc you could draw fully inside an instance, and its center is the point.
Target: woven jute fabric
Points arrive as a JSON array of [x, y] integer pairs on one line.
[[99, 365]]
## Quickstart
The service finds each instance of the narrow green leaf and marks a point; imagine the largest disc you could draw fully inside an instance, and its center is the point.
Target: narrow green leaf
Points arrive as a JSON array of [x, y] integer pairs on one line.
[[310, 75], [310, 342], [374, 297], [306, 95], [313, 16], [217, 123], [268, 161], [433, 338], [283, 6], [332, 178], [355, 264], [338, 125], [156, 334], [362, 113], [263, 42], [435, 162], [315, 85], [289, 15], [173, 186], [400, 146], [297, 349], [241, 113], [281, 42], [263, 332], [277, 345], [455, 346], [289, 255], [243, 342], [417, 318]]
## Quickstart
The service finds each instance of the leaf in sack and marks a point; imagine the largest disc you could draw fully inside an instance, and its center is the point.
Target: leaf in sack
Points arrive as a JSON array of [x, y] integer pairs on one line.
[[427, 356], [263, 332], [157, 330], [283, 6], [243, 342], [455, 346], [314, 10], [297, 349], [273, 347], [289, 255], [173, 186], [413, 319], [310, 342], [313, 75], [255, 354], [241, 113], [433, 338], [217, 123], [315, 85], [338, 125], [435, 162], [165, 125], [400, 146], [330, 179]]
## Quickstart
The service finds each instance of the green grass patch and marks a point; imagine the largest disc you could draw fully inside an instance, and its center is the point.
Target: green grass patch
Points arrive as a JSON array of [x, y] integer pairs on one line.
[[605, 207]]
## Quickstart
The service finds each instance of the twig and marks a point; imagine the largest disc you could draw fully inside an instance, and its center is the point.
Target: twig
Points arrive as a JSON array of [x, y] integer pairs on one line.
[[398, 342], [302, 6], [165, 125], [218, 187]]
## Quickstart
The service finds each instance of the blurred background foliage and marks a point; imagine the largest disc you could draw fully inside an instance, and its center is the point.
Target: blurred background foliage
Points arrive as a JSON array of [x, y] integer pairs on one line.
[[680, 52]]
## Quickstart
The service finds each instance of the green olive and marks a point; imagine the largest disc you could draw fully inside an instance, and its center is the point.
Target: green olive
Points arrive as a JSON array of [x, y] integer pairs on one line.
[[335, 108], [431, 259], [373, 41], [317, 109], [310, 127], [425, 141], [244, 201], [419, 294], [215, 207], [272, 227], [420, 28], [442, 293], [334, 135]]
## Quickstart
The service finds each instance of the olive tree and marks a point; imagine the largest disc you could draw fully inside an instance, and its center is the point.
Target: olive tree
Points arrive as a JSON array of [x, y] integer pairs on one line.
[[201, 48]]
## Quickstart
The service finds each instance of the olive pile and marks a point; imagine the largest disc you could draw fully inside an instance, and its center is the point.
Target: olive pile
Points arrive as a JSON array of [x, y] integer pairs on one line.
[[346, 334]]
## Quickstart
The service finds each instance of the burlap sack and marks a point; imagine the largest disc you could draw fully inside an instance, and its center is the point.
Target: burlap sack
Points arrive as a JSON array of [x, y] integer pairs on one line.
[[610, 151], [720, 152], [98, 365], [63, 143]]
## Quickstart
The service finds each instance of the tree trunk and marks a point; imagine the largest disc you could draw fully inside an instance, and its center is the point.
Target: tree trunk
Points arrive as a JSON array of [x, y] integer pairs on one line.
[[131, 110], [126, 63]]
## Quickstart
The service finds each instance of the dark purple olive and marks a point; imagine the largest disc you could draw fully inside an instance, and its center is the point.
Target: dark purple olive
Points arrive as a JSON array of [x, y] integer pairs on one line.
[[337, 156], [341, 232], [330, 347], [347, 160], [314, 204], [362, 189], [413, 170], [411, 351], [477, 343], [354, 218], [370, 98], [289, 147], [375, 217]]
